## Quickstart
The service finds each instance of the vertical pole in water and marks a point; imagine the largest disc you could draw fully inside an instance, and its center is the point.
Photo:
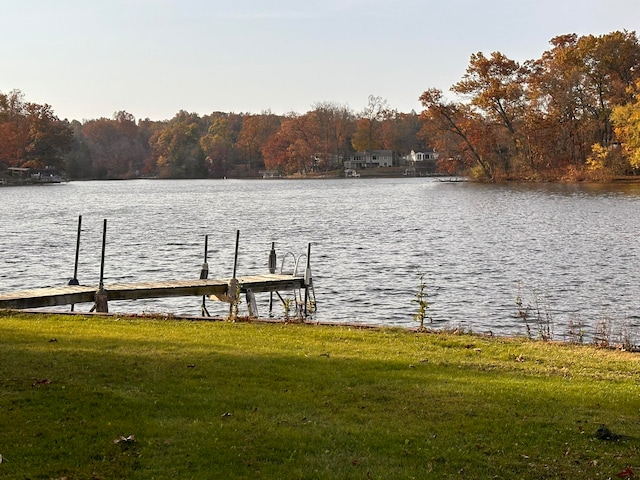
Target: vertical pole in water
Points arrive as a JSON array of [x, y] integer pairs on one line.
[[104, 242], [307, 279], [204, 274], [75, 266], [272, 269], [101, 294], [235, 256], [74, 280], [233, 284]]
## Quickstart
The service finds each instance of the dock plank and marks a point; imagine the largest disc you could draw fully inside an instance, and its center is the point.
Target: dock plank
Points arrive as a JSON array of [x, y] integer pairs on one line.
[[71, 294]]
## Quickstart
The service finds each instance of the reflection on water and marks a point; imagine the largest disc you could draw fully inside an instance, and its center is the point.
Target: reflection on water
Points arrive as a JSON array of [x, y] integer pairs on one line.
[[571, 248]]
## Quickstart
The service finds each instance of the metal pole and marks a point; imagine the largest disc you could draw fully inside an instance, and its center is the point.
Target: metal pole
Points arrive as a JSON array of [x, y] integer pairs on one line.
[[235, 257], [272, 269], [75, 266], [101, 304], [74, 280], [204, 274], [307, 277], [234, 283], [104, 242]]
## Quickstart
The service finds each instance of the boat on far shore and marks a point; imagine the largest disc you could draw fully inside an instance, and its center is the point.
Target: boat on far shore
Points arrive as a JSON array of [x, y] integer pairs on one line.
[[30, 176]]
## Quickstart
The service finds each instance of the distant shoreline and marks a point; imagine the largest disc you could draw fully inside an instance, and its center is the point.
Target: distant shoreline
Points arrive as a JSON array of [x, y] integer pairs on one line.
[[363, 174]]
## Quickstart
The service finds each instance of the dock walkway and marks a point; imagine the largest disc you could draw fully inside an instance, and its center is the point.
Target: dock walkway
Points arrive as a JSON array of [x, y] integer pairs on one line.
[[215, 289]]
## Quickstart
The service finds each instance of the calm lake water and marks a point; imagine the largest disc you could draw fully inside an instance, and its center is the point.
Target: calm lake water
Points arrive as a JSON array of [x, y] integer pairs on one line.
[[570, 250]]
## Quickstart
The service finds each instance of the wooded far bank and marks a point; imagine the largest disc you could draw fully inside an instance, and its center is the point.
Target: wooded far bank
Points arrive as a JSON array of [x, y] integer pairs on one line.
[[571, 115]]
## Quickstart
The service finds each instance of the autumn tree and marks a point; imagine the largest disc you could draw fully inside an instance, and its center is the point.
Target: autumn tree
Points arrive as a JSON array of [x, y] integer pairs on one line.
[[256, 130], [459, 126], [494, 87], [219, 143], [545, 119], [626, 119], [293, 148], [30, 134], [147, 129], [49, 137], [335, 127], [116, 147], [176, 148], [368, 132], [574, 88], [400, 133], [14, 128], [610, 65]]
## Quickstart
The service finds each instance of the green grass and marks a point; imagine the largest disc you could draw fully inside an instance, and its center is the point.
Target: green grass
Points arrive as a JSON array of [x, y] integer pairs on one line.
[[208, 400]]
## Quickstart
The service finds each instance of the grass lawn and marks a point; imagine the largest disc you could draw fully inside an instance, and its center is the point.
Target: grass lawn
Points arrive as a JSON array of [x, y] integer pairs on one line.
[[93, 397]]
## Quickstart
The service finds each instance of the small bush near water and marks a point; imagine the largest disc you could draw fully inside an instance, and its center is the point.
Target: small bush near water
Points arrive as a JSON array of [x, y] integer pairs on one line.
[[106, 397]]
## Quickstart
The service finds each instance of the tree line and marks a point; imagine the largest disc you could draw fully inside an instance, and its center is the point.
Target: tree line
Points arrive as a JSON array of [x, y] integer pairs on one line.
[[572, 114], [193, 146]]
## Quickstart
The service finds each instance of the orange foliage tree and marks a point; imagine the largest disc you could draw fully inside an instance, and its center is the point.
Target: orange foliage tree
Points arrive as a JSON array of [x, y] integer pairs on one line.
[[542, 119], [30, 134], [294, 147]]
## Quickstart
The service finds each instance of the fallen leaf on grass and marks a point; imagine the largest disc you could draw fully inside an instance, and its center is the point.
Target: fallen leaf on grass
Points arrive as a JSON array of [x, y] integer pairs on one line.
[[122, 439], [44, 381], [628, 473]]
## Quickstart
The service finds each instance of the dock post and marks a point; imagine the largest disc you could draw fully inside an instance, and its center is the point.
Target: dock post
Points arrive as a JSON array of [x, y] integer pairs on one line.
[[251, 304], [272, 269], [307, 279], [101, 305], [74, 280], [235, 256], [204, 274], [232, 289]]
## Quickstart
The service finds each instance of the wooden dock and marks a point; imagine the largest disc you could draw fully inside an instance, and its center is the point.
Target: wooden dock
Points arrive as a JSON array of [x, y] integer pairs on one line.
[[226, 290], [214, 289]]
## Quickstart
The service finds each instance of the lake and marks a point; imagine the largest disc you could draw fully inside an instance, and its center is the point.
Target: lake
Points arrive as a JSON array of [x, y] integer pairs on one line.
[[570, 252]]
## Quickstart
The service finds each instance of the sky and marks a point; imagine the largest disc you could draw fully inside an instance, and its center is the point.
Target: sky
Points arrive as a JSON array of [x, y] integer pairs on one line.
[[152, 58]]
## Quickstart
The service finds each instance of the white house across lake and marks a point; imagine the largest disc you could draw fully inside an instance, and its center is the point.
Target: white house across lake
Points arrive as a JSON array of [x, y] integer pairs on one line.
[[417, 163]]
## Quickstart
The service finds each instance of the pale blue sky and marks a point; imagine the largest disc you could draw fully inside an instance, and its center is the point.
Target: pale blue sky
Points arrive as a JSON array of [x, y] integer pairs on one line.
[[152, 58]]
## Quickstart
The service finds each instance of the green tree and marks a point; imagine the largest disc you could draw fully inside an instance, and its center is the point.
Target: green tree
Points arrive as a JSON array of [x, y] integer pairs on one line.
[[219, 146], [49, 137], [177, 149], [78, 163]]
